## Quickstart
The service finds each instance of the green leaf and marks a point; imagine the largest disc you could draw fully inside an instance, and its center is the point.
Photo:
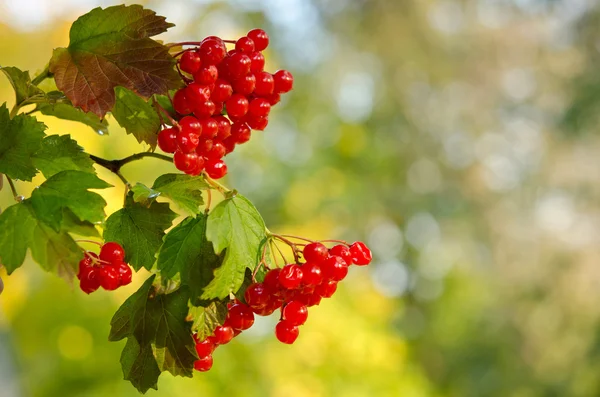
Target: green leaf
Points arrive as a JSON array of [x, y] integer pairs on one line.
[[187, 251], [69, 189], [236, 227], [66, 111], [20, 138], [17, 224], [183, 190], [61, 153], [143, 194], [139, 230], [159, 335], [55, 251], [112, 47], [137, 116], [21, 83], [72, 224], [165, 102], [206, 319]]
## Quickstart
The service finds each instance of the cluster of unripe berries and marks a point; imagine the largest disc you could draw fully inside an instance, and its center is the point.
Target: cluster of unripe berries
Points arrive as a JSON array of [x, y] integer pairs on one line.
[[227, 95], [293, 289], [107, 270]]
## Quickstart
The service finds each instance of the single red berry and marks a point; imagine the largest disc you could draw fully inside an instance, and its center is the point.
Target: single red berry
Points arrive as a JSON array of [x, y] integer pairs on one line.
[[167, 140], [259, 107], [84, 264], [312, 275], [229, 144], [240, 317], [343, 252], [197, 93], [295, 313], [197, 167], [224, 125], [204, 348], [237, 105], [112, 252], [238, 65], [109, 278], [311, 299], [204, 364], [187, 140], [125, 273], [361, 254], [190, 124], [210, 127], [212, 51], [284, 81], [256, 295], [257, 60], [206, 75], [180, 102], [217, 152], [190, 62], [244, 44], [257, 123], [204, 110], [265, 84], [222, 91], [204, 147], [185, 161], [218, 108], [315, 252], [260, 39], [274, 99], [286, 332], [244, 85], [90, 280], [290, 276], [334, 268], [240, 132], [326, 289], [216, 169], [271, 280], [223, 334]]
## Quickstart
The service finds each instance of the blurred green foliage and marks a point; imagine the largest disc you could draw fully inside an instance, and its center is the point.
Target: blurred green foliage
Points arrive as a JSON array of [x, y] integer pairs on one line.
[[458, 138]]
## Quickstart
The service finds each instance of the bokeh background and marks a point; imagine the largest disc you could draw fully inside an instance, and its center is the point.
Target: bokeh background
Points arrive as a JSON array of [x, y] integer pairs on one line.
[[459, 139]]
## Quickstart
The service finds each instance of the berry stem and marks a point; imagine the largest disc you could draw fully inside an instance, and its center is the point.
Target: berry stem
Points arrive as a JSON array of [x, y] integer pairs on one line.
[[89, 241], [18, 198], [184, 43], [208, 201], [44, 74], [274, 256], [291, 244], [216, 185], [164, 111]]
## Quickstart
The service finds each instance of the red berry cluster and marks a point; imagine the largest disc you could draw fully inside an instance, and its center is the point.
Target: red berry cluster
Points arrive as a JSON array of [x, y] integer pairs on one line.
[[107, 270], [293, 288], [221, 81]]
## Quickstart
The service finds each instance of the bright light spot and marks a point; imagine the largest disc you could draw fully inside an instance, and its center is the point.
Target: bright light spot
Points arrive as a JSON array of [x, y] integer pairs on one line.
[[355, 97], [75, 343], [390, 278], [555, 212], [424, 176], [459, 150], [519, 84], [501, 173], [386, 240], [447, 17], [422, 229]]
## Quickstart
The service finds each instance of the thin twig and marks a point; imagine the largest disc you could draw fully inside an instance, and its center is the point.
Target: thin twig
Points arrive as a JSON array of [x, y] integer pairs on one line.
[[16, 195], [208, 201]]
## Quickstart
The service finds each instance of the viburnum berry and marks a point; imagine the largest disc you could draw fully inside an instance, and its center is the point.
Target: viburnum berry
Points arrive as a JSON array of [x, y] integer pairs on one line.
[[286, 332], [284, 81], [240, 132], [89, 280], [204, 146], [257, 123], [244, 44], [237, 105], [180, 102], [257, 62], [185, 161], [260, 39], [109, 278], [271, 281], [223, 334], [326, 289], [125, 273], [334, 268], [209, 128], [216, 152], [259, 107], [315, 252], [222, 91], [84, 264], [343, 252], [361, 254], [206, 75], [295, 313], [197, 93], [290, 276], [204, 348], [265, 84], [204, 364], [274, 99], [312, 275], [224, 127], [229, 143], [187, 140], [212, 51], [190, 62], [244, 85], [257, 296], [190, 124], [205, 109], [238, 65], [216, 169], [167, 140], [240, 317]]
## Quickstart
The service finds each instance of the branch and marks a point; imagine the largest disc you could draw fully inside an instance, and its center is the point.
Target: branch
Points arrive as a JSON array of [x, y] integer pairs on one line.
[[42, 76], [16, 195], [115, 166]]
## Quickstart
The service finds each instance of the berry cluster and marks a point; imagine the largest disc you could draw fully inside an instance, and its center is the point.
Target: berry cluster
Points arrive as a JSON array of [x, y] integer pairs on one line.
[[107, 270], [219, 81], [293, 289]]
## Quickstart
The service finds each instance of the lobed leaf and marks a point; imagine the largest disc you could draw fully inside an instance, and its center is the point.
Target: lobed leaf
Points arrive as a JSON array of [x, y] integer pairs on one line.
[[137, 116], [66, 111], [21, 83], [183, 190], [61, 153], [206, 319]]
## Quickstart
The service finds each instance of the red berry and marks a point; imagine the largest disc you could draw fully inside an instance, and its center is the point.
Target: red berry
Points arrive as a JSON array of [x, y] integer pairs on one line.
[[327, 289], [90, 280], [212, 51], [271, 281], [204, 110], [217, 151], [361, 254], [224, 127], [84, 264], [259, 107], [311, 299], [260, 39], [187, 140], [204, 147], [190, 124], [229, 144], [109, 278], [125, 273], [290, 276], [216, 169], [244, 44], [206, 75], [265, 84], [257, 123], [238, 65], [205, 348], [256, 295], [240, 132], [237, 105], [190, 62], [204, 364], [257, 60], [180, 103], [274, 99], [312, 275], [284, 81], [295, 313], [334, 268], [197, 168], [315, 252], [244, 85], [167, 140], [197, 93], [343, 252], [223, 334], [209, 128], [286, 332], [240, 317], [222, 91], [218, 108], [185, 161]]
